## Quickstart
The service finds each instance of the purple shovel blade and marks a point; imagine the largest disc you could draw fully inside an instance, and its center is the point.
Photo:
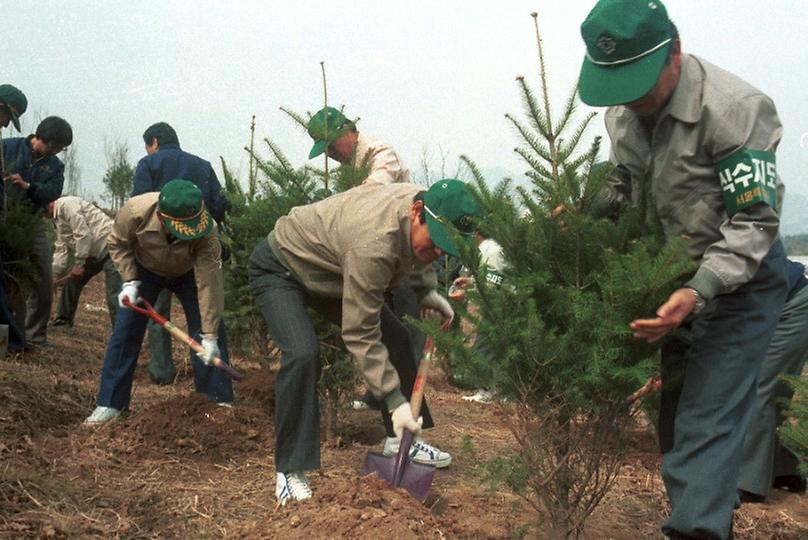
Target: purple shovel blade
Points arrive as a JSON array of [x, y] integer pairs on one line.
[[400, 470]]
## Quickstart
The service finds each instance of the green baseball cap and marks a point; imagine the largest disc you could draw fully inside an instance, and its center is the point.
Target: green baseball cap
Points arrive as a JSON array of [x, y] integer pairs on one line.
[[325, 127], [182, 210], [449, 201], [15, 101], [627, 45]]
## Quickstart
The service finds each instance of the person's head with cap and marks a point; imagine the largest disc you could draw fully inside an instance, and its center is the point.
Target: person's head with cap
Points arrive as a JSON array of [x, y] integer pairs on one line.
[[182, 210], [333, 134], [448, 204], [12, 104], [633, 56]]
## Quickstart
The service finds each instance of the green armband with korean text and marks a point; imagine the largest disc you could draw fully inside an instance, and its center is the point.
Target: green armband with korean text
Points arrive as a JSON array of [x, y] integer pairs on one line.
[[748, 177]]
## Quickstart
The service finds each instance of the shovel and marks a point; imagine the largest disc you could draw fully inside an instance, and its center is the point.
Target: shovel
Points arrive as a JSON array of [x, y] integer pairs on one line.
[[182, 336], [400, 470]]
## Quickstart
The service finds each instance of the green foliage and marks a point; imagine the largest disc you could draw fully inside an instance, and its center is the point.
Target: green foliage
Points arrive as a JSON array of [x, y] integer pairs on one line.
[[18, 226], [119, 175], [564, 353], [794, 434]]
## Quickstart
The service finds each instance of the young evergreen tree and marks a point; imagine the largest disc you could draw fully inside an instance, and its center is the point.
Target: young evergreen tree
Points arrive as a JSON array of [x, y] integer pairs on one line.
[[565, 357]]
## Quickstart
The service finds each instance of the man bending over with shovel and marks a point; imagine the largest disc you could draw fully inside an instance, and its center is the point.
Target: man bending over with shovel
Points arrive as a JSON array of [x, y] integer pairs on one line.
[[340, 256], [159, 241]]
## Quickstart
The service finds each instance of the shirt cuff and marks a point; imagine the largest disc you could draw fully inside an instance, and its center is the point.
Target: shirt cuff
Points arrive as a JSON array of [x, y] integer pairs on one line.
[[394, 399], [706, 283]]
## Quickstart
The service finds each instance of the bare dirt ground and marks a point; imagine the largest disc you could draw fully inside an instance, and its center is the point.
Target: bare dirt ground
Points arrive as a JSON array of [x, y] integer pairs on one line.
[[178, 466]]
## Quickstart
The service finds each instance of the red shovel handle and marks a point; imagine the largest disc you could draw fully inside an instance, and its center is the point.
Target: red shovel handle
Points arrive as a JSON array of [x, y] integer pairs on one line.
[[179, 334]]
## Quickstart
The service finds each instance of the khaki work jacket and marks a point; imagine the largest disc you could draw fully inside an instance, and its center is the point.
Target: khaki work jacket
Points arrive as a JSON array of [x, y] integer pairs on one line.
[[138, 237], [356, 246], [385, 167], [81, 227]]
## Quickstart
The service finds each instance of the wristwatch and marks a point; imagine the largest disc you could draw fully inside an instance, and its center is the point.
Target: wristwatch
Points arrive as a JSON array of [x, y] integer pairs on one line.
[[700, 301]]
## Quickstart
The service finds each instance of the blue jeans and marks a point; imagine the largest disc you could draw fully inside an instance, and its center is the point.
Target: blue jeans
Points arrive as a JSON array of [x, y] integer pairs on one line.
[[127, 338], [708, 396]]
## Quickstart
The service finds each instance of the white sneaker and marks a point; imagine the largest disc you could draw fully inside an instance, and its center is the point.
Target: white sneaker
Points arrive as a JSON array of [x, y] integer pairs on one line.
[[420, 452], [291, 486], [482, 396], [359, 405], [101, 415]]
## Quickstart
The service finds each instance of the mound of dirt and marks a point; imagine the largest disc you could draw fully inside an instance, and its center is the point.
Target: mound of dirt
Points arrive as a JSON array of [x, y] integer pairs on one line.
[[350, 507], [192, 425], [37, 403]]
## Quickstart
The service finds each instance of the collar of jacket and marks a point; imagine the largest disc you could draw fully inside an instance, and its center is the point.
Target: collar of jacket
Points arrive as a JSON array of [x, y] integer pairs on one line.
[[685, 103], [169, 146]]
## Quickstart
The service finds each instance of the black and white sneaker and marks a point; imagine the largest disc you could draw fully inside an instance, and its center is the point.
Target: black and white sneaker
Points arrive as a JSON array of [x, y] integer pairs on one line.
[[292, 486], [420, 452]]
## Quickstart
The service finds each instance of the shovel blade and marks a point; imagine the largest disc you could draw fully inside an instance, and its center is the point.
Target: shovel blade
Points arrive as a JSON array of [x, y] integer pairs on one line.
[[416, 478]]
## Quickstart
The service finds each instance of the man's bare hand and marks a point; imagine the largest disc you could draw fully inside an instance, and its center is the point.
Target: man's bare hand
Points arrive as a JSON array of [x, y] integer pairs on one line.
[[17, 180], [669, 316]]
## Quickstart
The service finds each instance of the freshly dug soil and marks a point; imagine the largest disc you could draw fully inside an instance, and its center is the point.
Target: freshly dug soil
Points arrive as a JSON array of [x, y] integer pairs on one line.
[[180, 466]]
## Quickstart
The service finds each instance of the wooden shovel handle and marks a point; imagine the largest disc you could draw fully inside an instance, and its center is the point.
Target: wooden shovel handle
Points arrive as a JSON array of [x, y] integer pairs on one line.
[[417, 396], [180, 335]]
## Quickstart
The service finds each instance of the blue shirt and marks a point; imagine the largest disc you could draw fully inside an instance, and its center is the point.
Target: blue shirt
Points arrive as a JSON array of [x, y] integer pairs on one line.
[[169, 163], [45, 174]]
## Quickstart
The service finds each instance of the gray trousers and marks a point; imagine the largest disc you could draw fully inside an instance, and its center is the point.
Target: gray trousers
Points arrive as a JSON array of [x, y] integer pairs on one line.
[[71, 290], [161, 365], [32, 305], [763, 456], [283, 301], [708, 396]]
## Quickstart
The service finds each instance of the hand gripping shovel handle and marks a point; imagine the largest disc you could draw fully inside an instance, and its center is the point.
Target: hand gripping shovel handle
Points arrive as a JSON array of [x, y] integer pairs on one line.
[[416, 398], [182, 336]]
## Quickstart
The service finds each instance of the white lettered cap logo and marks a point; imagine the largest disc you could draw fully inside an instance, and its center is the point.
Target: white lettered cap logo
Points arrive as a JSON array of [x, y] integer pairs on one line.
[[607, 44]]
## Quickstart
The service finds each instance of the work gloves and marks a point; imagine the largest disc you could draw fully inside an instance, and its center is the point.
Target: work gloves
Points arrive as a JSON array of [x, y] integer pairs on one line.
[[403, 419], [211, 350], [435, 301], [129, 290]]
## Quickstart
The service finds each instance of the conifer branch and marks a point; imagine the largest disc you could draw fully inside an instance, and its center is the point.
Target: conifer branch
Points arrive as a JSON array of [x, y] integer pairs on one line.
[[551, 138], [299, 120], [534, 112]]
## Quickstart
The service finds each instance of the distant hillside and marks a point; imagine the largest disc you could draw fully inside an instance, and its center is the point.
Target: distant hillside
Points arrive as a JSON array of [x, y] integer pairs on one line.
[[795, 215]]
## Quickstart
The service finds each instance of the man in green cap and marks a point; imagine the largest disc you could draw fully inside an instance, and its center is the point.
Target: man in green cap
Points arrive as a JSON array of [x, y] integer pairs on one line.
[[697, 145], [12, 104], [159, 241], [341, 256], [338, 138]]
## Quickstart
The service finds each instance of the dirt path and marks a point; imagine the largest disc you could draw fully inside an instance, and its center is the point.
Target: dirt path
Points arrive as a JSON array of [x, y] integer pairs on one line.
[[178, 466]]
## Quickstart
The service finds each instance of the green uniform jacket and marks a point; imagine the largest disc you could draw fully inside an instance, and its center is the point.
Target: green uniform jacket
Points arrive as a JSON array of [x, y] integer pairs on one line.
[[711, 115], [356, 246]]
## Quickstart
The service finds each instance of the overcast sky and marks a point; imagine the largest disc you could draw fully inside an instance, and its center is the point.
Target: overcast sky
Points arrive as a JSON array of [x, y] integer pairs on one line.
[[422, 75]]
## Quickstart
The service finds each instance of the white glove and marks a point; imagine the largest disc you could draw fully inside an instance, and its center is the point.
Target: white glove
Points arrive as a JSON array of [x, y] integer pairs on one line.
[[211, 350], [435, 301], [129, 290], [402, 419]]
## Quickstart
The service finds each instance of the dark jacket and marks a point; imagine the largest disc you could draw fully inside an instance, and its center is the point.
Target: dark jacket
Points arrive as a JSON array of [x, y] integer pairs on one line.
[[46, 175], [169, 163]]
